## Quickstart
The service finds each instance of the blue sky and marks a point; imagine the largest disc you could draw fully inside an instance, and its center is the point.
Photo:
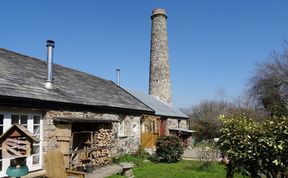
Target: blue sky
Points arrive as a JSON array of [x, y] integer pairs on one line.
[[214, 45]]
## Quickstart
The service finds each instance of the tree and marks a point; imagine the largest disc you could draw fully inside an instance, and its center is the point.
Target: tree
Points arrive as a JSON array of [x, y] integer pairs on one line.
[[269, 84], [203, 118]]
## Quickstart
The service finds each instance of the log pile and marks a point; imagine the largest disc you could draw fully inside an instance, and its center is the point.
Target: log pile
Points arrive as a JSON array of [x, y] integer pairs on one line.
[[102, 138], [101, 157], [97, 148]]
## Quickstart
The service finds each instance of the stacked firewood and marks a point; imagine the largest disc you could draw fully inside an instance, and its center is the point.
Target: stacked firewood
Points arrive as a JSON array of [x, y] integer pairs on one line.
[[101, 157], [101, 138]]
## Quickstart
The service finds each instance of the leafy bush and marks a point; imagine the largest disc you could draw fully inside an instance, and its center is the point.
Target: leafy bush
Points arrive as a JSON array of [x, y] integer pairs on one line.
[[168, 149], [255, 148]]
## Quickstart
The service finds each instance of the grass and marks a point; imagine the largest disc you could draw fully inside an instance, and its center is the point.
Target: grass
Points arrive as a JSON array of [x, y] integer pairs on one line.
[[182, 169], [138, 161]]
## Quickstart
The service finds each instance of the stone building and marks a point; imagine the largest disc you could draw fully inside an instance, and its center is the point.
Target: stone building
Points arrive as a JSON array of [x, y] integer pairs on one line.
[[83, 115], [67, 111]]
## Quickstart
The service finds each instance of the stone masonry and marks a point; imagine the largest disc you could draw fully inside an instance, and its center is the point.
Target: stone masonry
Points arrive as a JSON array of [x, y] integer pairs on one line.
[[173, 123], [127, 144], [130, 141], [159, 81]]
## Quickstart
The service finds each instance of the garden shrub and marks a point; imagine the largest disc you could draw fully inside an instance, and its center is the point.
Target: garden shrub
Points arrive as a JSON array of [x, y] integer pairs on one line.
[[168, 149], [258, 149]]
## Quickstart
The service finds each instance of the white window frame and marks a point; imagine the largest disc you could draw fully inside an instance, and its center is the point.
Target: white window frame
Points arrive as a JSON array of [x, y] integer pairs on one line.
[[7, 124]]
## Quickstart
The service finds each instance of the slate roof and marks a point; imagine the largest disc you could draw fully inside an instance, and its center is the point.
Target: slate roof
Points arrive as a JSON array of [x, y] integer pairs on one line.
[[160, 108], [24, 77]]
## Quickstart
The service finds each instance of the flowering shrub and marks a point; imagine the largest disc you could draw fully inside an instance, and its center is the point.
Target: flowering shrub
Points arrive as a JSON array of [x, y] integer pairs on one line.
[[168, 149]]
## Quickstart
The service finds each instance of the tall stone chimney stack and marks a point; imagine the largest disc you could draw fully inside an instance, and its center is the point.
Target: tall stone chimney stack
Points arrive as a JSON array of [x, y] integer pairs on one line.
[[159, 79]]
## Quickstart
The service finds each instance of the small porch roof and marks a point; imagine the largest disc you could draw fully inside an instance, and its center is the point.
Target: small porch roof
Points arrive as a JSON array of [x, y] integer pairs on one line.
[[183, 130]]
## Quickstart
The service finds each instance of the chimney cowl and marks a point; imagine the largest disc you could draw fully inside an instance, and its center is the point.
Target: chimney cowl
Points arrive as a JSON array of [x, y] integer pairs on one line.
[[50, 43]]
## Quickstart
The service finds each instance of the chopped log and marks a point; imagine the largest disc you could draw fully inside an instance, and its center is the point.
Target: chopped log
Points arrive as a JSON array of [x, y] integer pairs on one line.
[[96, 148]]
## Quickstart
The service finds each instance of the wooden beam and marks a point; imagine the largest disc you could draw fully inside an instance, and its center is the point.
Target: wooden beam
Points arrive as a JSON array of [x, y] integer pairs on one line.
[[16, 141], [12, 150], [13, 145], [89, 149]]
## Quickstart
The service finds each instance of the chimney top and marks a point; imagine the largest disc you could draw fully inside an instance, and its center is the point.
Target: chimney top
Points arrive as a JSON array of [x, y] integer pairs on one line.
[[50, 43], [158, 11], [118, 77]]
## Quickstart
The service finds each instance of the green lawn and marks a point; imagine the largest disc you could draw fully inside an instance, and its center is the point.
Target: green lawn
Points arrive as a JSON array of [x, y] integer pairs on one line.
[[183, 169]]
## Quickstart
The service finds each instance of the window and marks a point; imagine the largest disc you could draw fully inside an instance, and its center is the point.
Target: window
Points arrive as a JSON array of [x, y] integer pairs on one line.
[[121, 128], [36, 147], [23, 120], [19, 119]]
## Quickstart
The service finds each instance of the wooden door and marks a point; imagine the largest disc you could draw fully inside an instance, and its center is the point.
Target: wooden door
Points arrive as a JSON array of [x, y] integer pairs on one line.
[[63, 133], [150, 131]]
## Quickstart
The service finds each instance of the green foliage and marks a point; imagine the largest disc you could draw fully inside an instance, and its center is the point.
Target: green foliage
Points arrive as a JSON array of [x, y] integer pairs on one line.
[[138, 161], [255, 148], [203, 118], [168, 149]]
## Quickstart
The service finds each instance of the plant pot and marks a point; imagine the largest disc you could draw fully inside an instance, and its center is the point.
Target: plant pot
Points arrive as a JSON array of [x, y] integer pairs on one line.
[[89, 168]]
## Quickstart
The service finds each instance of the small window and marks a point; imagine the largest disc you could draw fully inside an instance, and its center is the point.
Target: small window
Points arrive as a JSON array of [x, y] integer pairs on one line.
[[15, 119], [121, 128], [36, 119]]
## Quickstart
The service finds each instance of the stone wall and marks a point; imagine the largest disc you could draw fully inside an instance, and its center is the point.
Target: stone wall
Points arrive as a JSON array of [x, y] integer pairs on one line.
[[127, 144], [130, 141], [173, 123]]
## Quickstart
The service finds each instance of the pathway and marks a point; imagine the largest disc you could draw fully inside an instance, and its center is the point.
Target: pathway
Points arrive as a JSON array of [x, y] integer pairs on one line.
[[106, 171]]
